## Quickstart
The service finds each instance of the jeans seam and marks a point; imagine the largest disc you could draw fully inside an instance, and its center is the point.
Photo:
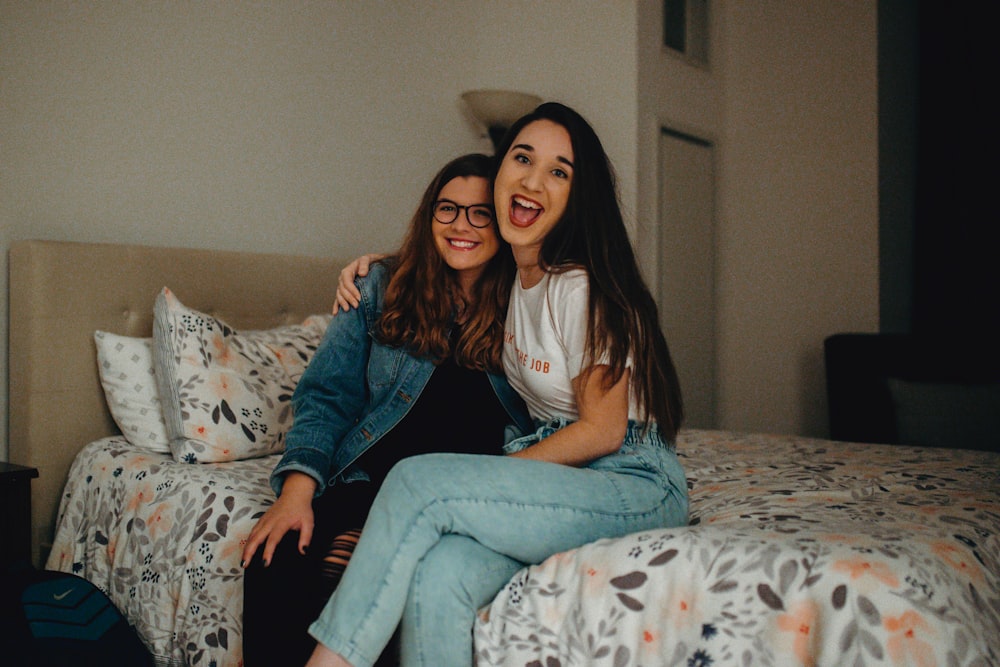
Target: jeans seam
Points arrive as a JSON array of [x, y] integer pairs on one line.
[[417, 620], [363, 622]]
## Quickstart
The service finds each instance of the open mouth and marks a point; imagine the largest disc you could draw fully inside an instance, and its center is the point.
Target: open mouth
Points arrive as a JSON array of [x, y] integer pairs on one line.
[[462, 244], [523, 212]]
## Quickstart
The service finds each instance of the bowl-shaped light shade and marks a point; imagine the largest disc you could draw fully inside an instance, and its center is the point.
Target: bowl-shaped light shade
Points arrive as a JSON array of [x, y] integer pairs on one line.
[[499, 108]]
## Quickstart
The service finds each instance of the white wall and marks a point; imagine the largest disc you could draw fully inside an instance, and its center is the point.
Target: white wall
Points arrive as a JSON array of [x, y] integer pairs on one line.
[[306, 127], [299, 127], [799, 218], [790, 102]]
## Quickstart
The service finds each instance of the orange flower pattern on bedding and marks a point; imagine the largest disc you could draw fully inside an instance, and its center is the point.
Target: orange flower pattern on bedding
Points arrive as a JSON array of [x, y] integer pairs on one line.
[[226, 394], [910, 640], [164, 540], [799, 628], [863, 566], [798, 552], [884, 556]]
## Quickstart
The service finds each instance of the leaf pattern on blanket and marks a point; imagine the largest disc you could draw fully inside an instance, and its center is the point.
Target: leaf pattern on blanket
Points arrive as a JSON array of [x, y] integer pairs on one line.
[[799, 552], [164, 539]]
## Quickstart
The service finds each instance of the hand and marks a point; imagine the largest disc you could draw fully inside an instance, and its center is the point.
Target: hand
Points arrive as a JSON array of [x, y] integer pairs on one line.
[[348, 295], [291, 511]]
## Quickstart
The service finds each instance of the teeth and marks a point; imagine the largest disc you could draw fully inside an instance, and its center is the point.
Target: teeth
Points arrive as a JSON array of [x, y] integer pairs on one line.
[[525, 203], [462, 244]]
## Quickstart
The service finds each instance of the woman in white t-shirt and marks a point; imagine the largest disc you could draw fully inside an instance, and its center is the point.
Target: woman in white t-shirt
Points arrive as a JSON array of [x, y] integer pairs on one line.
[[583, 347]]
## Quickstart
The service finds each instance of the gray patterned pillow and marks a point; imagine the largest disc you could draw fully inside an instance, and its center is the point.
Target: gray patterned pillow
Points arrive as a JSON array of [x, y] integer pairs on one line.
[[125, 365], [226, 394]]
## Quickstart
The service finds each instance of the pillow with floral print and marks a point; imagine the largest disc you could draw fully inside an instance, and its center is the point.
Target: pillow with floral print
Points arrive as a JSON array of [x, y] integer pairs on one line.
[[226, 394]]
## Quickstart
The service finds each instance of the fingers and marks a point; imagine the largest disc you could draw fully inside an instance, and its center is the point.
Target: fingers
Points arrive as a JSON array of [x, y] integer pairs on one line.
[[305, 537], [365, 261], [344, 302], [272, 543], [253, 542], [248, 551], [292, 511], [268, 532], [348, 295]]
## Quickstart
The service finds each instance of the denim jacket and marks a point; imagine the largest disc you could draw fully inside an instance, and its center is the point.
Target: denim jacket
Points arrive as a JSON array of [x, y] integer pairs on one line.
[[355, 390]]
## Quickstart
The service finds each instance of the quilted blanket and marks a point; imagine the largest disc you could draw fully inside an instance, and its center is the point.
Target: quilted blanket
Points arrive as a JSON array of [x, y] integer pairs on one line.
[[799, 552], [164, 539]]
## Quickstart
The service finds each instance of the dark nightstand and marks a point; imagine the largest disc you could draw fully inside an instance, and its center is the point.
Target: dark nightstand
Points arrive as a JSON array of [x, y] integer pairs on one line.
[[15, 514]]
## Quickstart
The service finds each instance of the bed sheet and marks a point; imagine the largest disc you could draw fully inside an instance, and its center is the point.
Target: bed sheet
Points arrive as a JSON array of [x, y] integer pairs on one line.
[[163, 539], [799, 552]]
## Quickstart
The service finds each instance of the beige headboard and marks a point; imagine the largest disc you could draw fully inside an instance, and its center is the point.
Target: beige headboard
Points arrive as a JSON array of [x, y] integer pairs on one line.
[[61, 292]]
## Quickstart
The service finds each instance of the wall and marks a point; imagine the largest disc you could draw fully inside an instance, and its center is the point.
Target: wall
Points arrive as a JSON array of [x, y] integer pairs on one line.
[[799, 220], [299, 127], [790, 101], [308, 126]]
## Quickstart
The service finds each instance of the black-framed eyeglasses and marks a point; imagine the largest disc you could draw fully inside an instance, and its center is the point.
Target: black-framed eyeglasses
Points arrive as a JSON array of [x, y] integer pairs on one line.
[[478, 215]]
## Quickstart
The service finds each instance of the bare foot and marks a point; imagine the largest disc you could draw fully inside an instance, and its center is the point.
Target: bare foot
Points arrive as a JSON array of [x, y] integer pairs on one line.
[[324, 657]]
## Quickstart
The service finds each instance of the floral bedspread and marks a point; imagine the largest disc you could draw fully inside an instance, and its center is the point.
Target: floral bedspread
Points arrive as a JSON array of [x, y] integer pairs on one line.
[[163, 540], [799, 552]]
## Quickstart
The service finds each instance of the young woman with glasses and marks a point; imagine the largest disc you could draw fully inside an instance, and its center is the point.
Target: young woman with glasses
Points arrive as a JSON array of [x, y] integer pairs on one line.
[[583, 347], [415, 369]]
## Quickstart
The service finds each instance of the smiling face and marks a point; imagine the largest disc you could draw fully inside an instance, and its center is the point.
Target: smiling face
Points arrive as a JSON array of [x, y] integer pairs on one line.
[[465, 248], [532, 187]]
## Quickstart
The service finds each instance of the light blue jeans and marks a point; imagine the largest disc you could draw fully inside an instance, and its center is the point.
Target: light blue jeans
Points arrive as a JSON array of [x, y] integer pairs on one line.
[[447, 531]]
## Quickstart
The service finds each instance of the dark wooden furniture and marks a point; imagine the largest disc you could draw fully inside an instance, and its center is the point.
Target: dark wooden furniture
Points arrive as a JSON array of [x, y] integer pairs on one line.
[[15, 514], [914, 390]]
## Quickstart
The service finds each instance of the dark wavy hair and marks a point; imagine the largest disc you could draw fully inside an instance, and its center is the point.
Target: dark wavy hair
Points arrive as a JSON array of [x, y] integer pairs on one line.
[[423, 296], [622, 317]]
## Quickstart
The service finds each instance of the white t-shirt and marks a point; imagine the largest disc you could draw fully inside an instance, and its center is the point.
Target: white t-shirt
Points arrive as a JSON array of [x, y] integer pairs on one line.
[[544, 341]]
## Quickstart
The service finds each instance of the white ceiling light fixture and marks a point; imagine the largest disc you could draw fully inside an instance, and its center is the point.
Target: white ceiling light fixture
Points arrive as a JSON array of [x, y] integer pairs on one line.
[[497, 110]]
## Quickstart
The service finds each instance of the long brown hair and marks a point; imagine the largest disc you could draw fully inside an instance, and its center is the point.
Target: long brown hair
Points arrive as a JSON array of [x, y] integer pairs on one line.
[[423, 296], [623, 317]]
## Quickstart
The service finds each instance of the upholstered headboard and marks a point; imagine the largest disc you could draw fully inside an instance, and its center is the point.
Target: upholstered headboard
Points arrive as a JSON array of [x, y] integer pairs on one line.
[[61, 292]]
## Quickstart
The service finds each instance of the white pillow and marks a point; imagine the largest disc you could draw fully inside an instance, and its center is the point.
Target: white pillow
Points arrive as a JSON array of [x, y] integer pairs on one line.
[[125, 365], [226, 395]]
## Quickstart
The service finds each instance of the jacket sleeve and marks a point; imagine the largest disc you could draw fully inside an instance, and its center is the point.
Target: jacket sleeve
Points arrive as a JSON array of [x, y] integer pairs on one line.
[[520, 421], [330, 396]]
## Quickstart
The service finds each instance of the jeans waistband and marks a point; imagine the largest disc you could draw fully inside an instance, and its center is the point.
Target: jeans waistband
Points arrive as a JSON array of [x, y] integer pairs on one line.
[[636, 434]]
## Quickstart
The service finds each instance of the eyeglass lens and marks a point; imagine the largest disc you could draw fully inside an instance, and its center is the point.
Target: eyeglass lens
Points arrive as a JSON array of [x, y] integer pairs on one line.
[[478, 215]]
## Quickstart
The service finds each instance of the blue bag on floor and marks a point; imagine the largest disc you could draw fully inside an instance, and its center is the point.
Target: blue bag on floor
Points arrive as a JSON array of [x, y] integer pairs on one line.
[[52, 619]]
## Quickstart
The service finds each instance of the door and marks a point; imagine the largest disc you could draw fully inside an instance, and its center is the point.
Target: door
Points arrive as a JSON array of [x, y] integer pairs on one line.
[[687, 269]]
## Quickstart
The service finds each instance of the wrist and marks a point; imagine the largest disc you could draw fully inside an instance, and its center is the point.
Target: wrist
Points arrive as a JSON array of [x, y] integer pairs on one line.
[[298, 485]]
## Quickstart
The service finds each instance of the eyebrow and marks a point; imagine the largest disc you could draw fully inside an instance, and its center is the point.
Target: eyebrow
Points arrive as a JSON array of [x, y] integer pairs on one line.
[[531, 149], [452, 201]]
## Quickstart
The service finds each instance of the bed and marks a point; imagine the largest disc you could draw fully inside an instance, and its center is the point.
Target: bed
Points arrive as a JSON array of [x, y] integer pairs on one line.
[[160, 535], [799, 551]]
